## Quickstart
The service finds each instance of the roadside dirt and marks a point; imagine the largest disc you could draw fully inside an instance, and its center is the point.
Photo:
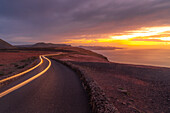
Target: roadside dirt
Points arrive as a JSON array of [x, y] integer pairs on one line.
[[15, 62], [131, 88]]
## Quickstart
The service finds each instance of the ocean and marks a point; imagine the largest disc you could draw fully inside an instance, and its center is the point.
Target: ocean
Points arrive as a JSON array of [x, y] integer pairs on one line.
[[153, 57]]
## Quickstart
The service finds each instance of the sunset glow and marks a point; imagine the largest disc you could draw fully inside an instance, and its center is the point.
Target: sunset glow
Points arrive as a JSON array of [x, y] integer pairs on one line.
[[122, 23], [144, 32], [142, 36], [122, 46]]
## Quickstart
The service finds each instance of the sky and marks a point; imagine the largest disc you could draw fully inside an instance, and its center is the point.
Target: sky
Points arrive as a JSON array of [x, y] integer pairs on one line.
[[122, 23]]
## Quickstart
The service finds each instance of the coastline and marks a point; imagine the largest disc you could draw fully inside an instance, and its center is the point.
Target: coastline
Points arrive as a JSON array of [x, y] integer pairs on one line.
[[146, 57], [118, 87], [130, 88]]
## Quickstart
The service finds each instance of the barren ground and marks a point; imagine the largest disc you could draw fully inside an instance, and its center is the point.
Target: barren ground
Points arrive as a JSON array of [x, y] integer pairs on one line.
[[14, 61], [131, 88]]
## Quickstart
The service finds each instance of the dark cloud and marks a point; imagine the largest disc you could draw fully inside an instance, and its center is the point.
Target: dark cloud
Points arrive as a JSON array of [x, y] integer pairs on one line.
[[36, 19]]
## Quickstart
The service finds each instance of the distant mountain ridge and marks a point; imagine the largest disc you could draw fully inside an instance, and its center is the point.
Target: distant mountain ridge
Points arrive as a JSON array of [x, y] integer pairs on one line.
[[44, 45], [5, 45], [100, 47]]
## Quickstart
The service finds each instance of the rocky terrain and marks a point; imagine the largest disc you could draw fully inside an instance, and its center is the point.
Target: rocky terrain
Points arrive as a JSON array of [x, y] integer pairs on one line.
[[130, 88], [111, 86]]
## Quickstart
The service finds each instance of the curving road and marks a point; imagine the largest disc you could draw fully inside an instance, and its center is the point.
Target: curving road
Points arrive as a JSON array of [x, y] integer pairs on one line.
[[58, 90]]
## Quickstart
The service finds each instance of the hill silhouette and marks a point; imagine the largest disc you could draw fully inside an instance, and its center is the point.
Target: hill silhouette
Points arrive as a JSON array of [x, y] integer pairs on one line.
[[5, 45], [42, 44]]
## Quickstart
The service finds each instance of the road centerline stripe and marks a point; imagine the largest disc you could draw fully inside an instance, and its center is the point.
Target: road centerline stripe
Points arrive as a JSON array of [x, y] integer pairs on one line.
[[22, 73], [26, 81]]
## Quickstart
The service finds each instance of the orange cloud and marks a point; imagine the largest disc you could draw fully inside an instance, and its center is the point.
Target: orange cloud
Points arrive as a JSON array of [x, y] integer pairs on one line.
[[144, 36]]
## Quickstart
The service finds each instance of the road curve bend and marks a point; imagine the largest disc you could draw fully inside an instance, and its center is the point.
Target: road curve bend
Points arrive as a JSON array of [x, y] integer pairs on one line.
[[22, 73], [49, 88]]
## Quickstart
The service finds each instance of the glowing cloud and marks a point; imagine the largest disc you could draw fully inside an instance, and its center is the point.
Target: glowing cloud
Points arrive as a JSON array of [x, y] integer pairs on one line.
[[148, 36], [145, 32]]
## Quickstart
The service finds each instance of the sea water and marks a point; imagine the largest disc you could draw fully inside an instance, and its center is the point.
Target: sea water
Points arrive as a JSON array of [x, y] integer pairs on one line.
[[154, 57]]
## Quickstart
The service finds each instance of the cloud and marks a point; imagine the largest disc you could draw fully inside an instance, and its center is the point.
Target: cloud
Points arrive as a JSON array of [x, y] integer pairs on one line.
[[64, 19], [148, 39]]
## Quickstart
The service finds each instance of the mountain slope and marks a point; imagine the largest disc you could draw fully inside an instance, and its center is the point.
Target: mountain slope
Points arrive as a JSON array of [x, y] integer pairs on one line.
[[42, 44], [5, 45]]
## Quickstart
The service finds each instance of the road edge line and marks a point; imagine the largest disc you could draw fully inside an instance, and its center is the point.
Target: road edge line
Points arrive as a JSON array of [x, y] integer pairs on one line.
[[26, 81]]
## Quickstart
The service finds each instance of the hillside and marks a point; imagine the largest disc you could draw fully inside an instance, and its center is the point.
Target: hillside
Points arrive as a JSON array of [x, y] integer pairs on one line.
[[42, 44], [99, 47], [5, 45]]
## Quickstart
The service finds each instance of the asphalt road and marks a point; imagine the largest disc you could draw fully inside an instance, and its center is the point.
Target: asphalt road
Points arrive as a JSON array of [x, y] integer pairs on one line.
[[58, 90]]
